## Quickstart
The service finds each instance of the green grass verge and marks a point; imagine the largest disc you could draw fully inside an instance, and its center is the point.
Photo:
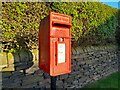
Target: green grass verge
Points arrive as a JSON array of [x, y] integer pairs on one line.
[[111, 81]]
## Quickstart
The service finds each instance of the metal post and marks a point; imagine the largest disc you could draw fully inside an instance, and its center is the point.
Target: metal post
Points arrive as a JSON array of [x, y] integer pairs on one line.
[[53, 82]]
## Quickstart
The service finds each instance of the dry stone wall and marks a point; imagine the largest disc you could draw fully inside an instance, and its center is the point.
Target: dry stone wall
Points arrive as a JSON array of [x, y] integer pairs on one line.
[[88, 65]]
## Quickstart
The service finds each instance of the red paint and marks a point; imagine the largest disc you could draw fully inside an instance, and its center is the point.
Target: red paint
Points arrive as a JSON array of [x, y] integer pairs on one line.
[[54, 32]]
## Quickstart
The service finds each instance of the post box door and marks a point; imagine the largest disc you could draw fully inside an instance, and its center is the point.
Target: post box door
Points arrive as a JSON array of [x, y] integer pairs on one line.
[[60, 55]]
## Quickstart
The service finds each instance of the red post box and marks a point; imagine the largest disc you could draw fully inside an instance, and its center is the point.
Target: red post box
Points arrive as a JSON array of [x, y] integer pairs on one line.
[[55, 44]]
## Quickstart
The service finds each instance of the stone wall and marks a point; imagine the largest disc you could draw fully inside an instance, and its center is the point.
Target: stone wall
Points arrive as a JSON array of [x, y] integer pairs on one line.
[[88, 65]]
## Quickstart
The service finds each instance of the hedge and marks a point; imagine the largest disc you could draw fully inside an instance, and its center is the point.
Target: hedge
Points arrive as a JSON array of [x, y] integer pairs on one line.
[[93, 23], [20, 23]]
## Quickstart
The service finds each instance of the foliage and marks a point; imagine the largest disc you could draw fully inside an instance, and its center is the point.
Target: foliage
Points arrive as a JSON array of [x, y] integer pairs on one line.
[[117, 35], [20, 22], [92, 22]]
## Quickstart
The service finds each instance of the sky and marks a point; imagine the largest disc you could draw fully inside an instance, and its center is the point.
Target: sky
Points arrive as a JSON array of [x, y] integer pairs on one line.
[[112, 3]]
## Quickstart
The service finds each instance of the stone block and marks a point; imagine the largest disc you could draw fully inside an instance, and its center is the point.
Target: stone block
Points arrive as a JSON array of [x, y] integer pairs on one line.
[[59, 83], [16, 58], [87, 72], [35, 54], [1, 87], [69, 80], [75, 82], [10, 58], [88, 80], [24, 57], [75, 73], [10, 68], [96, 77], [83, 79], [6, 82], [17, 80], [41, 86], [32, 70], [64, 76], [0, 78], [79, 76], [32, 85], [23, 65], [46, 75], [39, 72], [4, 59], [82, 62], [48, 87], [31, 79], [17, 74], [46, 81], [6, 74]]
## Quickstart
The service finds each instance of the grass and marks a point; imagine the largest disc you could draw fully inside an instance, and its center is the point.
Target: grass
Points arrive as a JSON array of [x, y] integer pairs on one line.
[[111, 81]]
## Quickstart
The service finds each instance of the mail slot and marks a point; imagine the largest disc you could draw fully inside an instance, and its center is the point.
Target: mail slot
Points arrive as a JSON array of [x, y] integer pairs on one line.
[[55, 44]]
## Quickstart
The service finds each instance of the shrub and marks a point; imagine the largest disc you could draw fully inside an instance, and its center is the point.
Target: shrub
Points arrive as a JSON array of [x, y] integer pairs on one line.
[[92, 22], [20, 22]]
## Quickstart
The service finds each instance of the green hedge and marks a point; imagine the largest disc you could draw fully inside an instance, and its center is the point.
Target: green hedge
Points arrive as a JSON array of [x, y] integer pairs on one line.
[[20, 23], [92, 23], [117, 34]]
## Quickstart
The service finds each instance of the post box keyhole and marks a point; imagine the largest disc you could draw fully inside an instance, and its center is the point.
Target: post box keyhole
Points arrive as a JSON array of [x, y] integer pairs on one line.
[[60, 39]]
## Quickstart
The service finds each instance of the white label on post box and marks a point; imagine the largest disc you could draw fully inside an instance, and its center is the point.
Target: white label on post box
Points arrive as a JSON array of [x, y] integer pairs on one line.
[[61, 53]]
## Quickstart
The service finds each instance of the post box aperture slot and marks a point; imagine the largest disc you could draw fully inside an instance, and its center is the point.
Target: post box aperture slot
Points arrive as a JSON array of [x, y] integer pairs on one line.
[[57, 24]]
